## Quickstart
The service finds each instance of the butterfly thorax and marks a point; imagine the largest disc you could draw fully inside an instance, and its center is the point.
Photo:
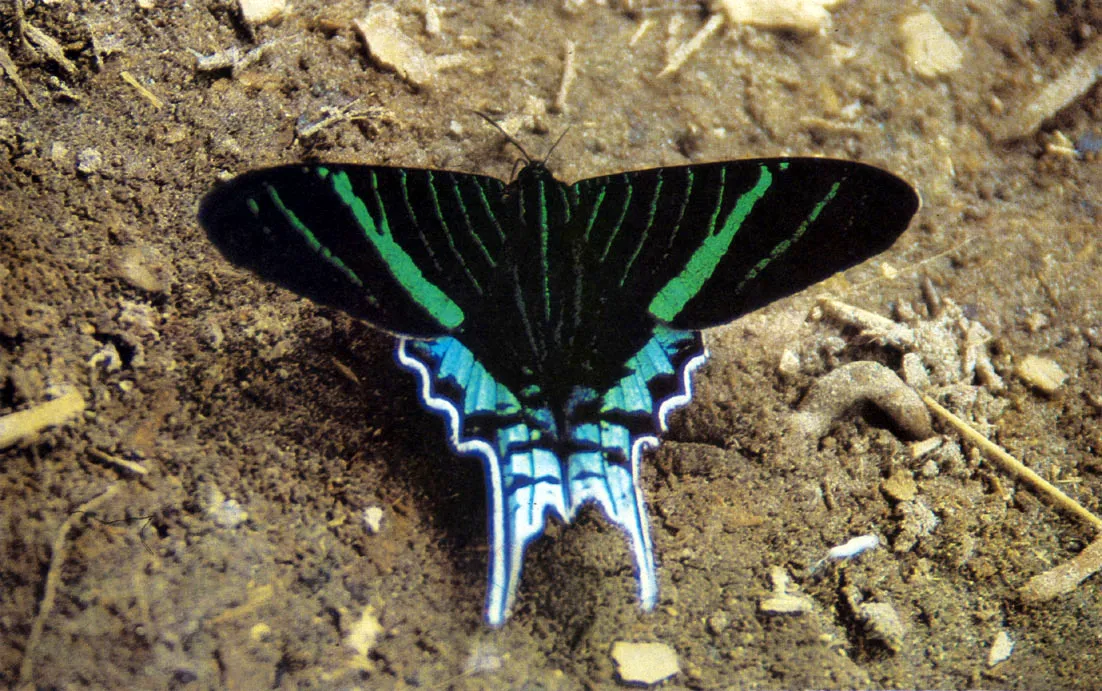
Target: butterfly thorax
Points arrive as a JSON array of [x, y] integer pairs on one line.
[[557, 331]]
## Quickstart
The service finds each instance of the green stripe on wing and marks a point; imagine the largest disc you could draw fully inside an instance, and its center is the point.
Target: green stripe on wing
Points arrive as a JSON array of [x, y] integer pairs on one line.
[[401, 265], [669, 301]]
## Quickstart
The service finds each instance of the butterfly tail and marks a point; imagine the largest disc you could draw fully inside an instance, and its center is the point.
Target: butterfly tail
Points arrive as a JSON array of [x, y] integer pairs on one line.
[[614, 487], [523, 492], [617, 427], [524, 481]]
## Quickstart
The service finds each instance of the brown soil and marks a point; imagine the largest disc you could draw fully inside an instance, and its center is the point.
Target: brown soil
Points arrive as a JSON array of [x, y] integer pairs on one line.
[[226, 388]]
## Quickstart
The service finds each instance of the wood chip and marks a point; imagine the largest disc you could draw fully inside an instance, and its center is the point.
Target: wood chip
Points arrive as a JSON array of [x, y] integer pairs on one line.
[[1013, 465], [142, 91], [8, 65], [569, 74], [46, 45], [232, 59], [120, 463], [26, 424], [1066, 577], [1074, 80], [925, 446], [689, 48]]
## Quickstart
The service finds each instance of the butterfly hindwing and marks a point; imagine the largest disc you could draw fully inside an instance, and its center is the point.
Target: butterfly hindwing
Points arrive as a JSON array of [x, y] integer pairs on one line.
[[409, 250], [539, 462], [701, 245]]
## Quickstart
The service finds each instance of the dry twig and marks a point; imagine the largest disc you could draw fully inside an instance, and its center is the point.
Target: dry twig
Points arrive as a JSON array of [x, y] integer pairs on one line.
[[53, 579], [1013, 465]]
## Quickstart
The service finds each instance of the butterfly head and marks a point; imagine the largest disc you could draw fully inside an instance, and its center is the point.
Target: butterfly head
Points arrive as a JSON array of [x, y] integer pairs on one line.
[[534, 169], [533, 172]]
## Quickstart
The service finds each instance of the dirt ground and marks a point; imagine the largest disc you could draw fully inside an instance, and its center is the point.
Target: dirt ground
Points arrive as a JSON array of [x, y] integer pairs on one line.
[[239, 556]]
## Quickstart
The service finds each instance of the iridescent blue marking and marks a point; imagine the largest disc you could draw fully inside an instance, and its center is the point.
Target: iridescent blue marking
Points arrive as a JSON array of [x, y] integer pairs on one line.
[[526, 479]]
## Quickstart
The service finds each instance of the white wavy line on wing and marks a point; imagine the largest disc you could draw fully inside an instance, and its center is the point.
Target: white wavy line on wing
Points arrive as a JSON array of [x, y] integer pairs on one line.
[[648, 582], [498, 599]]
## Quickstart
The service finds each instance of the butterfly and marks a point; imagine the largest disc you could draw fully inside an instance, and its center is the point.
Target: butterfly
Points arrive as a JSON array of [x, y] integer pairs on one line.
[[553, 326]]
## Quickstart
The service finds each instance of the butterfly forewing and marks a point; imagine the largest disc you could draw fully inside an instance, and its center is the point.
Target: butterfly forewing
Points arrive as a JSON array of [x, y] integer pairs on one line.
[[411, 251], [698, 246]]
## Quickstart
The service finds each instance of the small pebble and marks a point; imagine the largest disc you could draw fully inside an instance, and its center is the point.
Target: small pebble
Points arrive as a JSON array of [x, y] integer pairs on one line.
[[900, 486], [139, 267], [916, 521], [106, 358], [89, 161], [789, 364], [260, 632], [1001, 648], [363, 635], [484, 658], [60, 155], [644, 663], [1041, 373], [1036, 321], [392, 49], [783, 602], [930, 50], [718, 622], [227, 147], [882, 623], [261, 11], [373, 519], [226, 513], [212, 333], [798, 16]]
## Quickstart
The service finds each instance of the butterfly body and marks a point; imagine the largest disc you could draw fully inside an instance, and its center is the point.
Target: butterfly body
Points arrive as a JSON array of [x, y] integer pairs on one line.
[[555, 326]]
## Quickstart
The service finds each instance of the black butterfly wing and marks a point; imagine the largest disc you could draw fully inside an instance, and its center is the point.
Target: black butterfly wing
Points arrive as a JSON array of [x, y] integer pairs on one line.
[[697, 246], [411, 251]]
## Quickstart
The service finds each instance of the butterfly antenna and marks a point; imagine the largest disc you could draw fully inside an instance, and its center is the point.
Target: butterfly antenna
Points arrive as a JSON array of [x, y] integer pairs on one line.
[[553, 146], [511, 138]]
